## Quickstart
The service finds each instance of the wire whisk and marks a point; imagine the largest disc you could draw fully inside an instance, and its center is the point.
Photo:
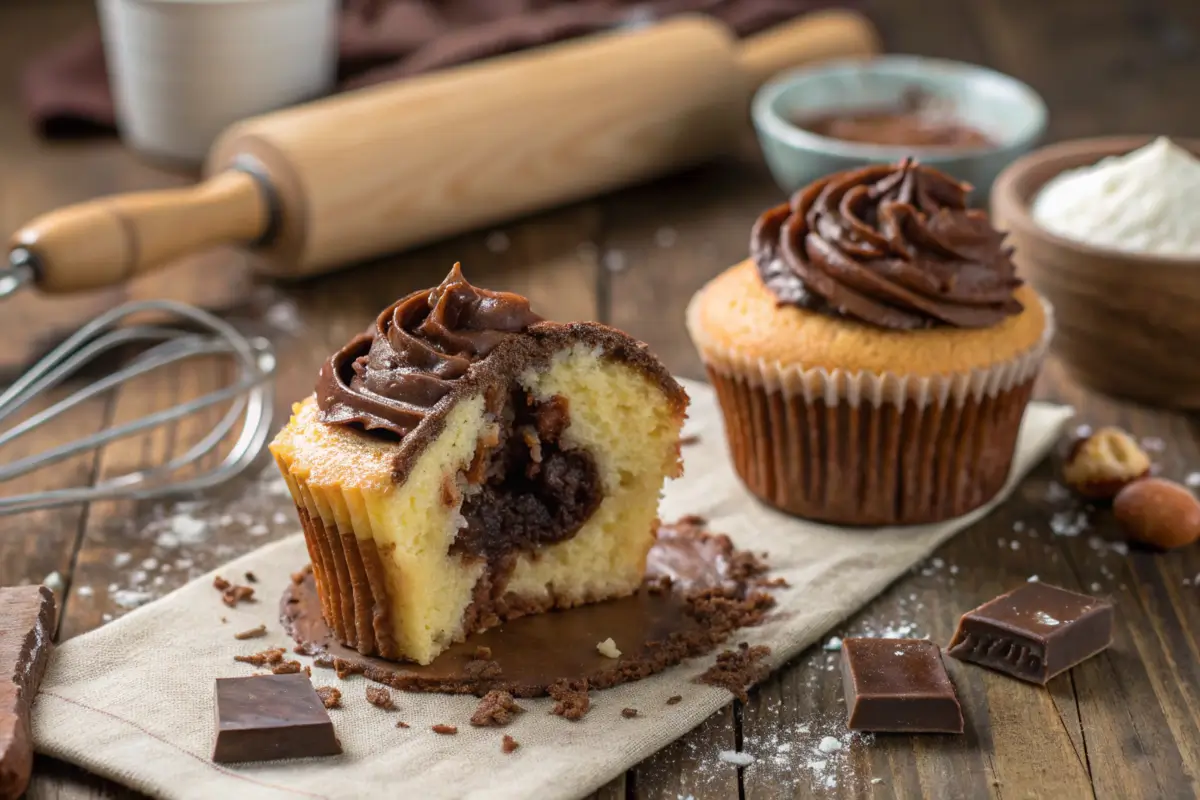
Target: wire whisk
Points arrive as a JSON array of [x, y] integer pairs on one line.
[[252, 393]]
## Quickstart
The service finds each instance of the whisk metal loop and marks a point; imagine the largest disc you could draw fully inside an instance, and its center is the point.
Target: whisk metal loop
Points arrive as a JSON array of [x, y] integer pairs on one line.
[[252, 395]]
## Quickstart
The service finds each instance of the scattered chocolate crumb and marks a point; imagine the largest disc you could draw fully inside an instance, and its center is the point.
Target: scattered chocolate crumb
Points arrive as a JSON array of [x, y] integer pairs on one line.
[[445, 730], [223, 620], [746, 567], [483, 654], [509, 744], [738, 670], [496, 709], [331, 696], [692, 520], [308, 671], [482, 670], [322, 660], [251, 577], [272, 656], [253, 633], [629, 713], [685, 441], [401, 724], [380, 698], [237, 594], [300, 650], [775, 583], [674, 699], [345, 669], [220, 584], [450, 493], [570, 698], [286, 668]]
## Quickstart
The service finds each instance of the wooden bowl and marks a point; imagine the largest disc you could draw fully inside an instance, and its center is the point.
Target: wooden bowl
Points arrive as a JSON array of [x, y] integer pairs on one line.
[[1127, 324]]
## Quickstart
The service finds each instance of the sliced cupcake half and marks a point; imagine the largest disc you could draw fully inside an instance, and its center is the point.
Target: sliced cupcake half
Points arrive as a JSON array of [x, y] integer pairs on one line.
[[465, 463]]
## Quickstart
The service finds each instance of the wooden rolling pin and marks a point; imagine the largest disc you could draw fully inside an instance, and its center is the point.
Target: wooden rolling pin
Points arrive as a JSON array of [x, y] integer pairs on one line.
[[320, 186]]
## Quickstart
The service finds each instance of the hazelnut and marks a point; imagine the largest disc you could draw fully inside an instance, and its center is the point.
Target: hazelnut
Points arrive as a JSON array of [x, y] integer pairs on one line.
[[1158, 512], [1105, 463]]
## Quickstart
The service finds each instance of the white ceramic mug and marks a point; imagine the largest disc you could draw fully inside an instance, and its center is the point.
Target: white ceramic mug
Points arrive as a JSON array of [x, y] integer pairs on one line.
[[184, 70]]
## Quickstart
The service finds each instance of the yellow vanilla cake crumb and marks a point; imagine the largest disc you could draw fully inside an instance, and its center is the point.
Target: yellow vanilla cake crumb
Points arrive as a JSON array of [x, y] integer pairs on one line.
[[608, 648]]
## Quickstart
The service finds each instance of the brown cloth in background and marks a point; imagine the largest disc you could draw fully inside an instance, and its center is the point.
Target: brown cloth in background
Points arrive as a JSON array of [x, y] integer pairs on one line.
[[66, 91]]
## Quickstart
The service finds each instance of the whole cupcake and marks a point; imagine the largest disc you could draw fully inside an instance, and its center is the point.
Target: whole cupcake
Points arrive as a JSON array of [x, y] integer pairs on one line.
[[874, 356]]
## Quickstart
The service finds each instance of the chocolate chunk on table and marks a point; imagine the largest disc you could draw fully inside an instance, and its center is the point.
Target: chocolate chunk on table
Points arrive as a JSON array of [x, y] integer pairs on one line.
[[898, 685], [267, 717], [26, 632], [1034, 632]]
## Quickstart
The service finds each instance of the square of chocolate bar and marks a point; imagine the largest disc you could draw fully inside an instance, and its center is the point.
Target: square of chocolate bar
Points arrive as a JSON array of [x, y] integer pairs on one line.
[[1034, 632], [267, 717], [898, 686]]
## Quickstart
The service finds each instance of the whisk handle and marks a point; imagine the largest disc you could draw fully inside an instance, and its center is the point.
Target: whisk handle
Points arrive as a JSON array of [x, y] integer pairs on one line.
[[112, 239]]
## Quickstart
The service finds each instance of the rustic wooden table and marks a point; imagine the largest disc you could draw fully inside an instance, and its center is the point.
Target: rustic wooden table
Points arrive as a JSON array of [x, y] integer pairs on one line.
[[1123, 725]]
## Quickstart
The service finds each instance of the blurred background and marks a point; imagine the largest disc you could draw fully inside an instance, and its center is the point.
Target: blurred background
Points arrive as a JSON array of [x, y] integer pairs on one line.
[[638, 180], [1102, 67]]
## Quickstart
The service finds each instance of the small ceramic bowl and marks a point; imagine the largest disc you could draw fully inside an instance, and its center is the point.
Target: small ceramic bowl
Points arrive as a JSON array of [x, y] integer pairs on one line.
[[1127, 323], [1006, 110]]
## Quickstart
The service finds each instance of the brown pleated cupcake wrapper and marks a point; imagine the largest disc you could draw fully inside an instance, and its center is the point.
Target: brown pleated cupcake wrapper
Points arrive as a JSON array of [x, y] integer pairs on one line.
[[348, 567], [872, 448]]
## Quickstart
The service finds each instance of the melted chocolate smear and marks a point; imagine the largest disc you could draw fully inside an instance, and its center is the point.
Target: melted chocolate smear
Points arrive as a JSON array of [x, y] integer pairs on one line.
[[699, 589]]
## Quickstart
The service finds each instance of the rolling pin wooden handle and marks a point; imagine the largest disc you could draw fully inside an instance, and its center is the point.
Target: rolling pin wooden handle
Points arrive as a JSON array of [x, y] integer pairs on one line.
[[818, 36], [109, 240]]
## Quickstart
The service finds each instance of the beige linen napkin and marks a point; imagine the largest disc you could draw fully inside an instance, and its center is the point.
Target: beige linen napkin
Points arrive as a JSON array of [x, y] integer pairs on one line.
[[133, 701]]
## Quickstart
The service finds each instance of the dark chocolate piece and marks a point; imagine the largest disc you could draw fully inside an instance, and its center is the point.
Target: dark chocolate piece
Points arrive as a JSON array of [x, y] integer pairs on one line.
[[699, 589], [269, 717], [1034, 632], [898, 685], [26, 632]]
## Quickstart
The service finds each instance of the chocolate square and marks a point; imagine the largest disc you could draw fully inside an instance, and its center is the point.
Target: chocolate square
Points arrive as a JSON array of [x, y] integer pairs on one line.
[[898, 685], [1034, 632], [267, 717]]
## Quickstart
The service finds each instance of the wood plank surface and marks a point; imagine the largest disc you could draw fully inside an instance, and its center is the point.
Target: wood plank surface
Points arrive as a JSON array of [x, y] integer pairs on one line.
[[1123, 725]]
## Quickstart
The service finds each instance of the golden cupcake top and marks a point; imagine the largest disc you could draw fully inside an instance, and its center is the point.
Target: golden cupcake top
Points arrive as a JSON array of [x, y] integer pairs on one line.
[[892, 246], [739, 325], [389, 378]]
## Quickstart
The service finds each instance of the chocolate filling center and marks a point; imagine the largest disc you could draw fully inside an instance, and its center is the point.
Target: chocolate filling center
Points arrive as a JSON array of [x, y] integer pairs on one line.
[[526, 490]]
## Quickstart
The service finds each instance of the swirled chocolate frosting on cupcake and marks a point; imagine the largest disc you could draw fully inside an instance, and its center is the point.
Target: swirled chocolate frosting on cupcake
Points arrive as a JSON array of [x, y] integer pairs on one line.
[[389, 377], [465, 462], [893, 246]]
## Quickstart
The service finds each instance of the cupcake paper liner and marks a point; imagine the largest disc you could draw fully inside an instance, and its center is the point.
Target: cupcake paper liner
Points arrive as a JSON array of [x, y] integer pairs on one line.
[[348, 571], [872, 448]]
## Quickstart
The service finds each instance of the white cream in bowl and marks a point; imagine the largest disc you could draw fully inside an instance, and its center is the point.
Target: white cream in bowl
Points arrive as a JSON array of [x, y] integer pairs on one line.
[[1147, 201]]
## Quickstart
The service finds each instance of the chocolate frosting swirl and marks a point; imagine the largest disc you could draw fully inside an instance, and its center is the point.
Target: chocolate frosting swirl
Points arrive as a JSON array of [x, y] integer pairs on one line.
[[893, 246], [390, 377]]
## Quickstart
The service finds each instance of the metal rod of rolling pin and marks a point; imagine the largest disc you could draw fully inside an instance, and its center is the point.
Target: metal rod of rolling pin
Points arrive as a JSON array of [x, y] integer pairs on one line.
[[20, 271]]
